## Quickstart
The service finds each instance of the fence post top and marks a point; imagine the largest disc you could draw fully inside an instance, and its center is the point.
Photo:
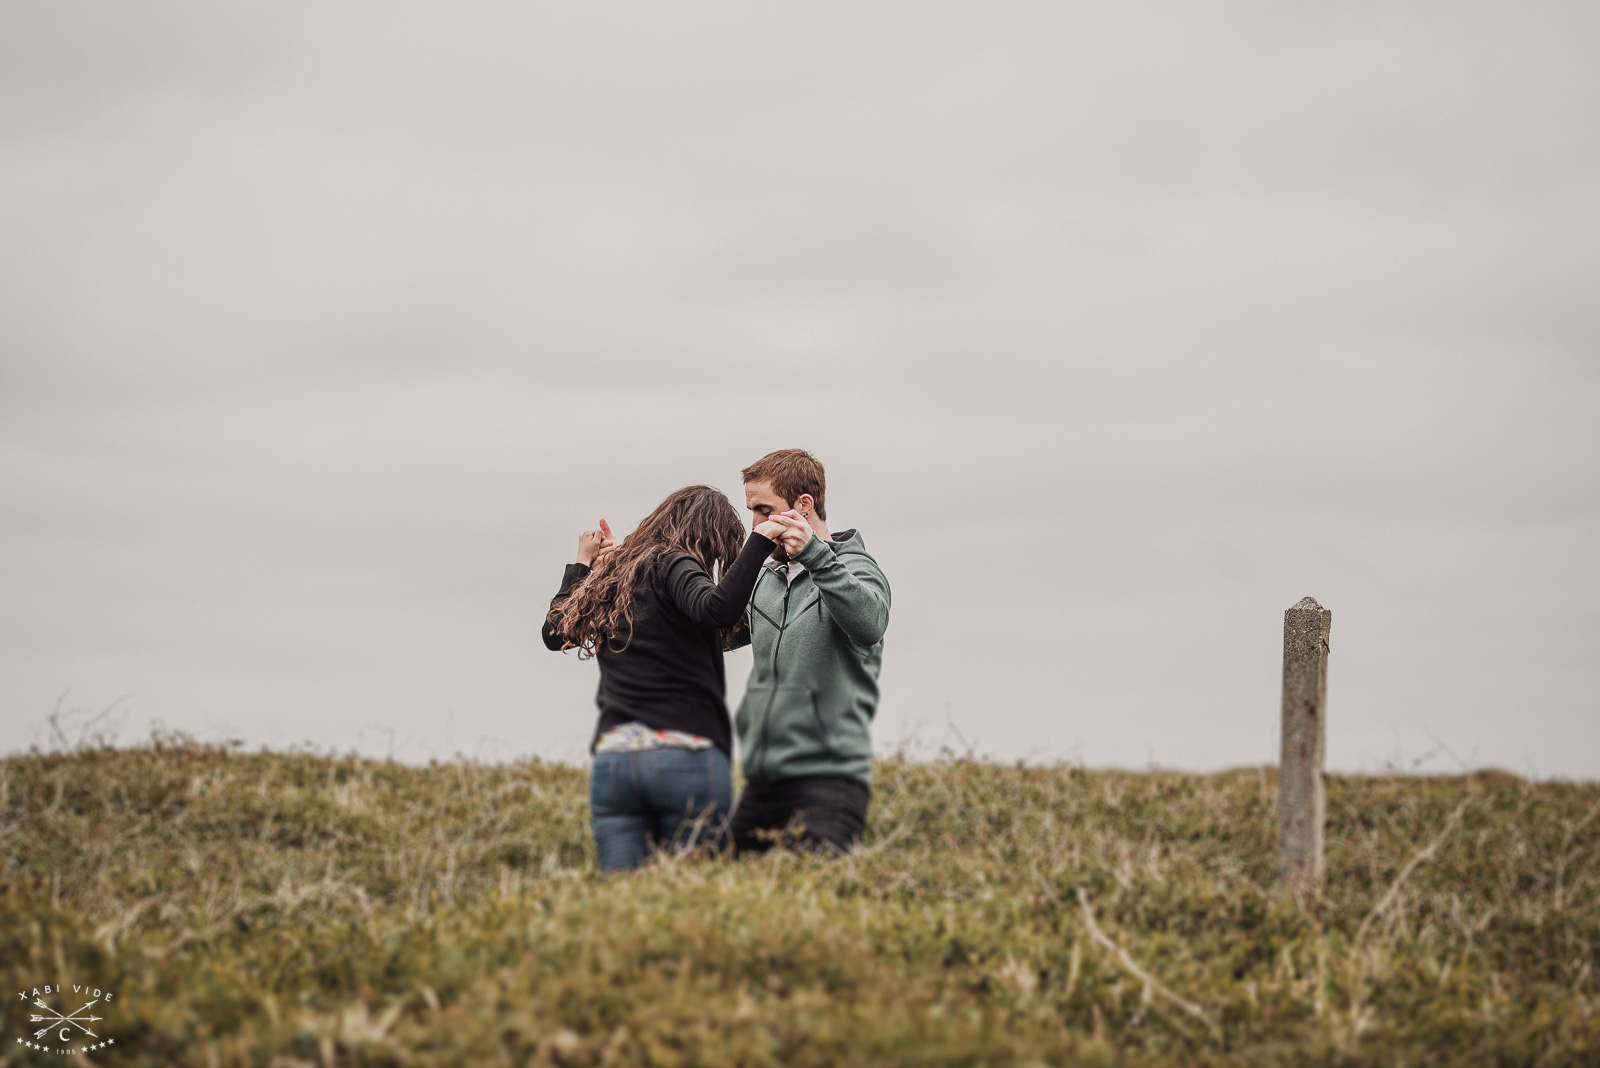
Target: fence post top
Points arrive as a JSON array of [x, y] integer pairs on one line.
[[1307, 604]]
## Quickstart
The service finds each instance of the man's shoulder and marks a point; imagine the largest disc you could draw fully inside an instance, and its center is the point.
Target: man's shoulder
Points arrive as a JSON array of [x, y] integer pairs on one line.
[[849, 544], [849, 552]]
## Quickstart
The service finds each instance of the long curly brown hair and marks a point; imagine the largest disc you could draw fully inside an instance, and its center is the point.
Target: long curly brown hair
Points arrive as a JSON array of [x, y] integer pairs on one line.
[[697, 520]]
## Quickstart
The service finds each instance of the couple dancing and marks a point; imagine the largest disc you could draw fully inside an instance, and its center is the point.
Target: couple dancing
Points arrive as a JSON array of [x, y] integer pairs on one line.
[[812, 604]]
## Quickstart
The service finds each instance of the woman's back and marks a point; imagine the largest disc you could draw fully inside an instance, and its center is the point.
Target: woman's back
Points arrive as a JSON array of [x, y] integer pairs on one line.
[[668, 673]]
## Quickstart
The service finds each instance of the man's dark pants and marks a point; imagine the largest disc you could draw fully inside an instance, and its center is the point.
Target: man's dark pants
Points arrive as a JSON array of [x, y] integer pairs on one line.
[[821, 813]]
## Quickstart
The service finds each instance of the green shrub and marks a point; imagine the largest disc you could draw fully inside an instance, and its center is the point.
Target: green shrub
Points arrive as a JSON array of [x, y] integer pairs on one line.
[[283, 908]]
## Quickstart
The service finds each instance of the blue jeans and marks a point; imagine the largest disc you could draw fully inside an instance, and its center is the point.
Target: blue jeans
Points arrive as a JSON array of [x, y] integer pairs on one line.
[[676, 798]]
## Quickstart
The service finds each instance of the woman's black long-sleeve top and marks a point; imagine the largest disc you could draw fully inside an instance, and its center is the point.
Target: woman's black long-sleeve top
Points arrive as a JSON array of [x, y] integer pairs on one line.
[[670, 675]]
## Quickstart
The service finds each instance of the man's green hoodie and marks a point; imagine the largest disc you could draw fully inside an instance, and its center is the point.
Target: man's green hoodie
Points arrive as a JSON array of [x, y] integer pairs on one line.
[[818, 644]]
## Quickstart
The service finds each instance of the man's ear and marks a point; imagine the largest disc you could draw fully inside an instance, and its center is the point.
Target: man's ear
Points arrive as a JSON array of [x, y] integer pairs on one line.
[[804, 504]]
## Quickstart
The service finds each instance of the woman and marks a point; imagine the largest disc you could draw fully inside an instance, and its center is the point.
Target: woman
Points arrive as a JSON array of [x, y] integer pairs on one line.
[[651, 614]]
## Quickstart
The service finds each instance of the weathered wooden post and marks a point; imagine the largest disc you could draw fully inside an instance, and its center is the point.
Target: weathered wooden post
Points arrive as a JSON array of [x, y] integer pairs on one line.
[[1302, 803]]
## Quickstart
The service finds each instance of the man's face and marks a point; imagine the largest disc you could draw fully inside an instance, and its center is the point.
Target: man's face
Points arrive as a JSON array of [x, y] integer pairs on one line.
[[764, 502]]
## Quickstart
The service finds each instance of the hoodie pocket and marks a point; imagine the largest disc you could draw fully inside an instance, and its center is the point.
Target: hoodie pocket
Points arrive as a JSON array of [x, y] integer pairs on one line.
[[783, 724]]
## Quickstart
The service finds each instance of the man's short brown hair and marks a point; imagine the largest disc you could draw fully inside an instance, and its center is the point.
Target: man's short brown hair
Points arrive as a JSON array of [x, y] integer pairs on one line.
[[792, 472]]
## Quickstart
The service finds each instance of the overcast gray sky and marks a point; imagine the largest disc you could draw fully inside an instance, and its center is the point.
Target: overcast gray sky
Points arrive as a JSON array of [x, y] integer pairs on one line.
[[324, 328]]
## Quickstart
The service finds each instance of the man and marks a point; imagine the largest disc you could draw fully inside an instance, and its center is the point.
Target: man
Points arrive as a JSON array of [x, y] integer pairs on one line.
[[816, 620]]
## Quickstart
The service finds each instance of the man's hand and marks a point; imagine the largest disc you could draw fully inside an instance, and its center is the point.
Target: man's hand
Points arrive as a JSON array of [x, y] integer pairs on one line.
[[797, 532], [593, 544]]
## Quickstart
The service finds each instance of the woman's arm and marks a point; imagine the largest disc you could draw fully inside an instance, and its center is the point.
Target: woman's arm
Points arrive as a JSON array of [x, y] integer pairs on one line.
[[717, 604], [574, 574], [592, 544]]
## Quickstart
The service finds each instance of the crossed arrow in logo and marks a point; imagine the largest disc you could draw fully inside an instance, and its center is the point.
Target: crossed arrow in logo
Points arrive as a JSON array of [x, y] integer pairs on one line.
[[71, 1019]]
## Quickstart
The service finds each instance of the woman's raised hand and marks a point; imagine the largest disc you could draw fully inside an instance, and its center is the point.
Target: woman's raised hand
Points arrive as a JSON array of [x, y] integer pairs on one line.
[[773, 529], [593, 544]]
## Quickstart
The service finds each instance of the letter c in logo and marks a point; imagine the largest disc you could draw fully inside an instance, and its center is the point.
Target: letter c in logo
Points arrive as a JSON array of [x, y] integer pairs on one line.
[[63, 1034]]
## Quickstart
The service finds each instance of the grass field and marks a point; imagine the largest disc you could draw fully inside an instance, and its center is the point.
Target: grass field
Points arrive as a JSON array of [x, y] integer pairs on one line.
[[285, 909]]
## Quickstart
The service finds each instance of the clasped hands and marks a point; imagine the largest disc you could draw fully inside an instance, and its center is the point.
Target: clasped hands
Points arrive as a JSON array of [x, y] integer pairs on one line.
[[593, 544], [787, 529]]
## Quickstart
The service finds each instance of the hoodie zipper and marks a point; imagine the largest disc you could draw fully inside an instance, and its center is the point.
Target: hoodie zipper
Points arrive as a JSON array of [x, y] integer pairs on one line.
[[783, 626]]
